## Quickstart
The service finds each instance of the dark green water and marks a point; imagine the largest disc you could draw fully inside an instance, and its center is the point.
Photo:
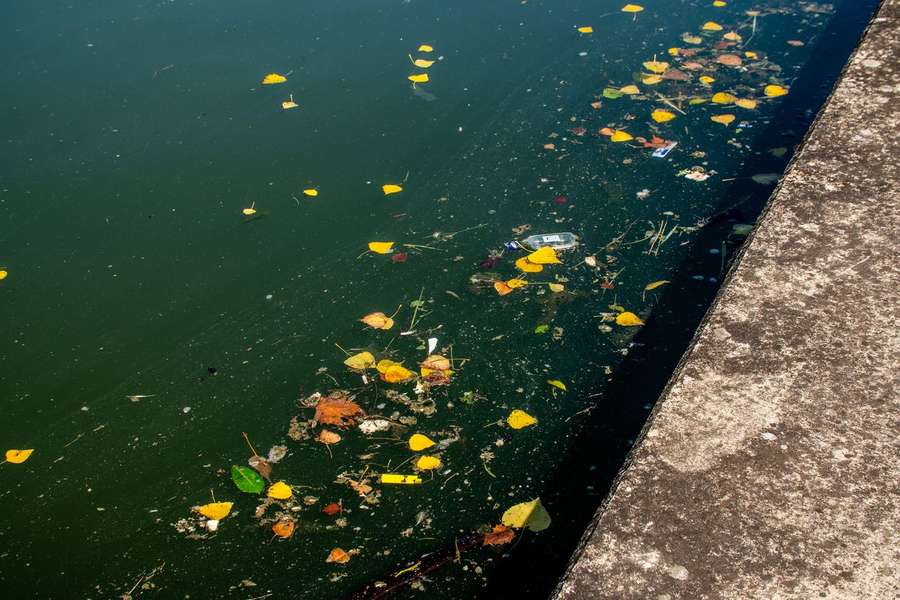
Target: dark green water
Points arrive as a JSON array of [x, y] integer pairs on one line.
[[133, 135]]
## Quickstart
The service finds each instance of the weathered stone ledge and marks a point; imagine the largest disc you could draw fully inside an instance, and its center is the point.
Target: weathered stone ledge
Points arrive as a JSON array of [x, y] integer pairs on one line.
[[770, 468]]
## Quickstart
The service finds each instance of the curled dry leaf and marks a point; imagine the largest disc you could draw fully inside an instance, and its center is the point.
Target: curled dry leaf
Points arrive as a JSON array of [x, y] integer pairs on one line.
[[436, 362], [338, 410], [261, 465], [500, 535]]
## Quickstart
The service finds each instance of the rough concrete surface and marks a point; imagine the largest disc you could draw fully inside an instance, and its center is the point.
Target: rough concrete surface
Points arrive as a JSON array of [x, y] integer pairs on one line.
[[770, 467]]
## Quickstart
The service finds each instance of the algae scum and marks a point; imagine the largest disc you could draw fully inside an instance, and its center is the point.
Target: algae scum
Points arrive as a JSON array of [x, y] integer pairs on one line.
[[284, 317]]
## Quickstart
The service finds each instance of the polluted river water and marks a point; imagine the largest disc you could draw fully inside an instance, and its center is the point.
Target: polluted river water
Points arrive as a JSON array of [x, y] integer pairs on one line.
[[314, 299]]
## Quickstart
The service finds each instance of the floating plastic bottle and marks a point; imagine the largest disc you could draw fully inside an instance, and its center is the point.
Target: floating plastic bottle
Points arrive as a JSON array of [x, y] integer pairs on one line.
[[557, 241]]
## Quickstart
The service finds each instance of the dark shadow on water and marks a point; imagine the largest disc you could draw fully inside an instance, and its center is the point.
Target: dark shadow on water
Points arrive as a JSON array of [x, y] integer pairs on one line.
[[584, 478]]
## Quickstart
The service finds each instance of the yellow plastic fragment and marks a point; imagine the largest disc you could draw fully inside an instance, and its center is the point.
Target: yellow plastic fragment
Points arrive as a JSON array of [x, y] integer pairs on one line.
[[401, 479]]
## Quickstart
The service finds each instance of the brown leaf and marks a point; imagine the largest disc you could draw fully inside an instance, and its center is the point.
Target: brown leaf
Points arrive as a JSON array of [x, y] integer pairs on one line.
[[338, 410], [261, 465], [731, 60], [500, 535], [435, 362]]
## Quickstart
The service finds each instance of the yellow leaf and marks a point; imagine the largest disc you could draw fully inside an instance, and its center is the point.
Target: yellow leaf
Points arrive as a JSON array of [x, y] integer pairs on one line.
[[425, 48], [723, 98], [3, 274], [418, 442], [621, 136], [385, 364], [732, 36], [651, 79], [692, 39], [378, 320], [418, 77], [723, 119], [661, 116], [391, 188], [632, 8], [655, 284], [526, 266], [530, 514], [556, 287], [215, 510], [280, 491], [363, 360], [311, 192], [719, 3], [773, 91], [557, 384], [628, 319], [746, 103], [421, 62], [17, 457], [751, 55], [673, 51], [401, 479], [631, 90], [250, 210], [428, 463], [712, 26], [397, 374], [544, 255], [381, 247], [656, 66], [272, 78], [519, 419], [516, 283], [586, 29], [706, 79]]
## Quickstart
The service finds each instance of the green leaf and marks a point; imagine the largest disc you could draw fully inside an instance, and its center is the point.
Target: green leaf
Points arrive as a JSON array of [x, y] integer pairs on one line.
[[612, 93], [542, 328], [247, 480]]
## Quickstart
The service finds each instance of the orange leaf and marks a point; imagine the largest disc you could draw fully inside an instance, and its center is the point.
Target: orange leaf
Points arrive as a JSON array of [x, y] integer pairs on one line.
[[378, 320], [339, 556], [502, 288], [329, 437], [337, 410], [332, 509], [283, 528], [397, 374], [499, 536]]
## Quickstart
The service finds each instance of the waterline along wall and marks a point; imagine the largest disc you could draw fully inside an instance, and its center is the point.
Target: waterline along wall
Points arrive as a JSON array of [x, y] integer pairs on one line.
[[769, 468]]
